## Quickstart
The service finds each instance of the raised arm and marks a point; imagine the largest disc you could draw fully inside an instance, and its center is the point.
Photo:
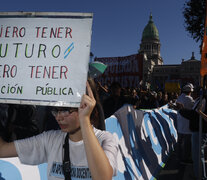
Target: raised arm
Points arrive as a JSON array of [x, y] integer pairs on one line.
[[201, 108], [203, 115], [97, 160], [7, 149]]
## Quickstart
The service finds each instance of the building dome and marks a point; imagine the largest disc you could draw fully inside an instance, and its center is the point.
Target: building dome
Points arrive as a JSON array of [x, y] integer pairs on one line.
[[150, 31]]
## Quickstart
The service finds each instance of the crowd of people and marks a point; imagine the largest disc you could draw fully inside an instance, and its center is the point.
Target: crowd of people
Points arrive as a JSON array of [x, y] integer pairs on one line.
[[21, 121], [114, 96], [187, 124]]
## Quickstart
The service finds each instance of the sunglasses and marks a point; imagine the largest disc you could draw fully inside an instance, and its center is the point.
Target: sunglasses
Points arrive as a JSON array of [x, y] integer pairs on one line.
[[63, 110]]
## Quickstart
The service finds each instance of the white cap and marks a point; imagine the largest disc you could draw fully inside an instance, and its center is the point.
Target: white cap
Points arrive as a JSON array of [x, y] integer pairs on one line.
[[188, 88]]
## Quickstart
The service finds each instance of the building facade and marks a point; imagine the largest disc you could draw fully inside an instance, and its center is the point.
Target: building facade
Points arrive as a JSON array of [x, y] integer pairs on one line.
[[187, 71], [155, 72], [150, 70]]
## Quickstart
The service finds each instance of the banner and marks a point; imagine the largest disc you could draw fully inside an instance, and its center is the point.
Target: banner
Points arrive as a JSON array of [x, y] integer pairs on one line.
[[145, 138], [126, 70], [44, 57], [203, 70]]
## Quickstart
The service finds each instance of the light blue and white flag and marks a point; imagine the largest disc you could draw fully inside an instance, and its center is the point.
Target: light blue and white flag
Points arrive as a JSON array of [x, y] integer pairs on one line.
[[145, 137]]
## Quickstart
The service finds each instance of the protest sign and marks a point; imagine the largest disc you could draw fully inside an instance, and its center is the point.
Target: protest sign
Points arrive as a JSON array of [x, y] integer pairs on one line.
[[126, 70], [44, 57]]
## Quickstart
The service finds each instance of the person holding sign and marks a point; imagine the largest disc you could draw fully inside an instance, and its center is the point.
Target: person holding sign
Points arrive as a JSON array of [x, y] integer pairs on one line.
[[77, 151]]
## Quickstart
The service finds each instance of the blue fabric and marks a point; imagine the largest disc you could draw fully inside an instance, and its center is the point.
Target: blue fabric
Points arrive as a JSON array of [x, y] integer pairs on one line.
[[145, 137]]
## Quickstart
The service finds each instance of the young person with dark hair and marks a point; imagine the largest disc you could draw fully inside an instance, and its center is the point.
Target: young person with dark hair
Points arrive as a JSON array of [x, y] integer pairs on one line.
[[78, 151]]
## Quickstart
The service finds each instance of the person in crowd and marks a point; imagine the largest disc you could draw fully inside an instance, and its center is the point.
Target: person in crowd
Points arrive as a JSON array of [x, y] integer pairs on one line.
[[144, 100], [184, 132], [78, 146], [114, 101], [17, 121], [175, 97], [102, 91], [153, 101], [171, 96], [164, 100], [159, 97], [130, 97], [135, 98]]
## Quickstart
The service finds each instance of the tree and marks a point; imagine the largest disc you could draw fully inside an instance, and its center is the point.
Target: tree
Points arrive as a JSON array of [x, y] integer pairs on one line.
[[194, 18]]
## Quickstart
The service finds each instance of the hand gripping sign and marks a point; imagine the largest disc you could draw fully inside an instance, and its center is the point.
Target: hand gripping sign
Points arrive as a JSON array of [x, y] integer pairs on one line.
[[44, 57]]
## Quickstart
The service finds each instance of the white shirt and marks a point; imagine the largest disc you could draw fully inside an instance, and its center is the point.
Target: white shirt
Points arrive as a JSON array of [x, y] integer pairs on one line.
[[183, 123], [48, 147]]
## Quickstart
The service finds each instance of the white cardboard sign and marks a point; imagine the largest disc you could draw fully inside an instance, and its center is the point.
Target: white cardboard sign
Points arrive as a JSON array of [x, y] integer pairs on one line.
[[44, 57]]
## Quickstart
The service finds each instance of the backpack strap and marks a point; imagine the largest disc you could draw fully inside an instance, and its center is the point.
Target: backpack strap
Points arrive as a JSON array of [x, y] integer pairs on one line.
[[66, 160]]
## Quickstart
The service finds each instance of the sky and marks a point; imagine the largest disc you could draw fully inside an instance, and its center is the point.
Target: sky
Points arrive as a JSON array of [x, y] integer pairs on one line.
[[118, 24]]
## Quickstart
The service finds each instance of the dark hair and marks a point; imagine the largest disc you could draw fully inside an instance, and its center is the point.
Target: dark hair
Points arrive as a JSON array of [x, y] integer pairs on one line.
[[97, 116], [115, 85]]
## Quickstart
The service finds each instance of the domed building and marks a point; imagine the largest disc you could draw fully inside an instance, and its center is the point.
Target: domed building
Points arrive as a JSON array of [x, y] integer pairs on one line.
[[150, 43], [150, 48], [154, 72]]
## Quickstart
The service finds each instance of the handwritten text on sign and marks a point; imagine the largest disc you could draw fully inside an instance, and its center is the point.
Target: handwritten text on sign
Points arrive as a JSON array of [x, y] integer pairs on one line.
[[44, 60]]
